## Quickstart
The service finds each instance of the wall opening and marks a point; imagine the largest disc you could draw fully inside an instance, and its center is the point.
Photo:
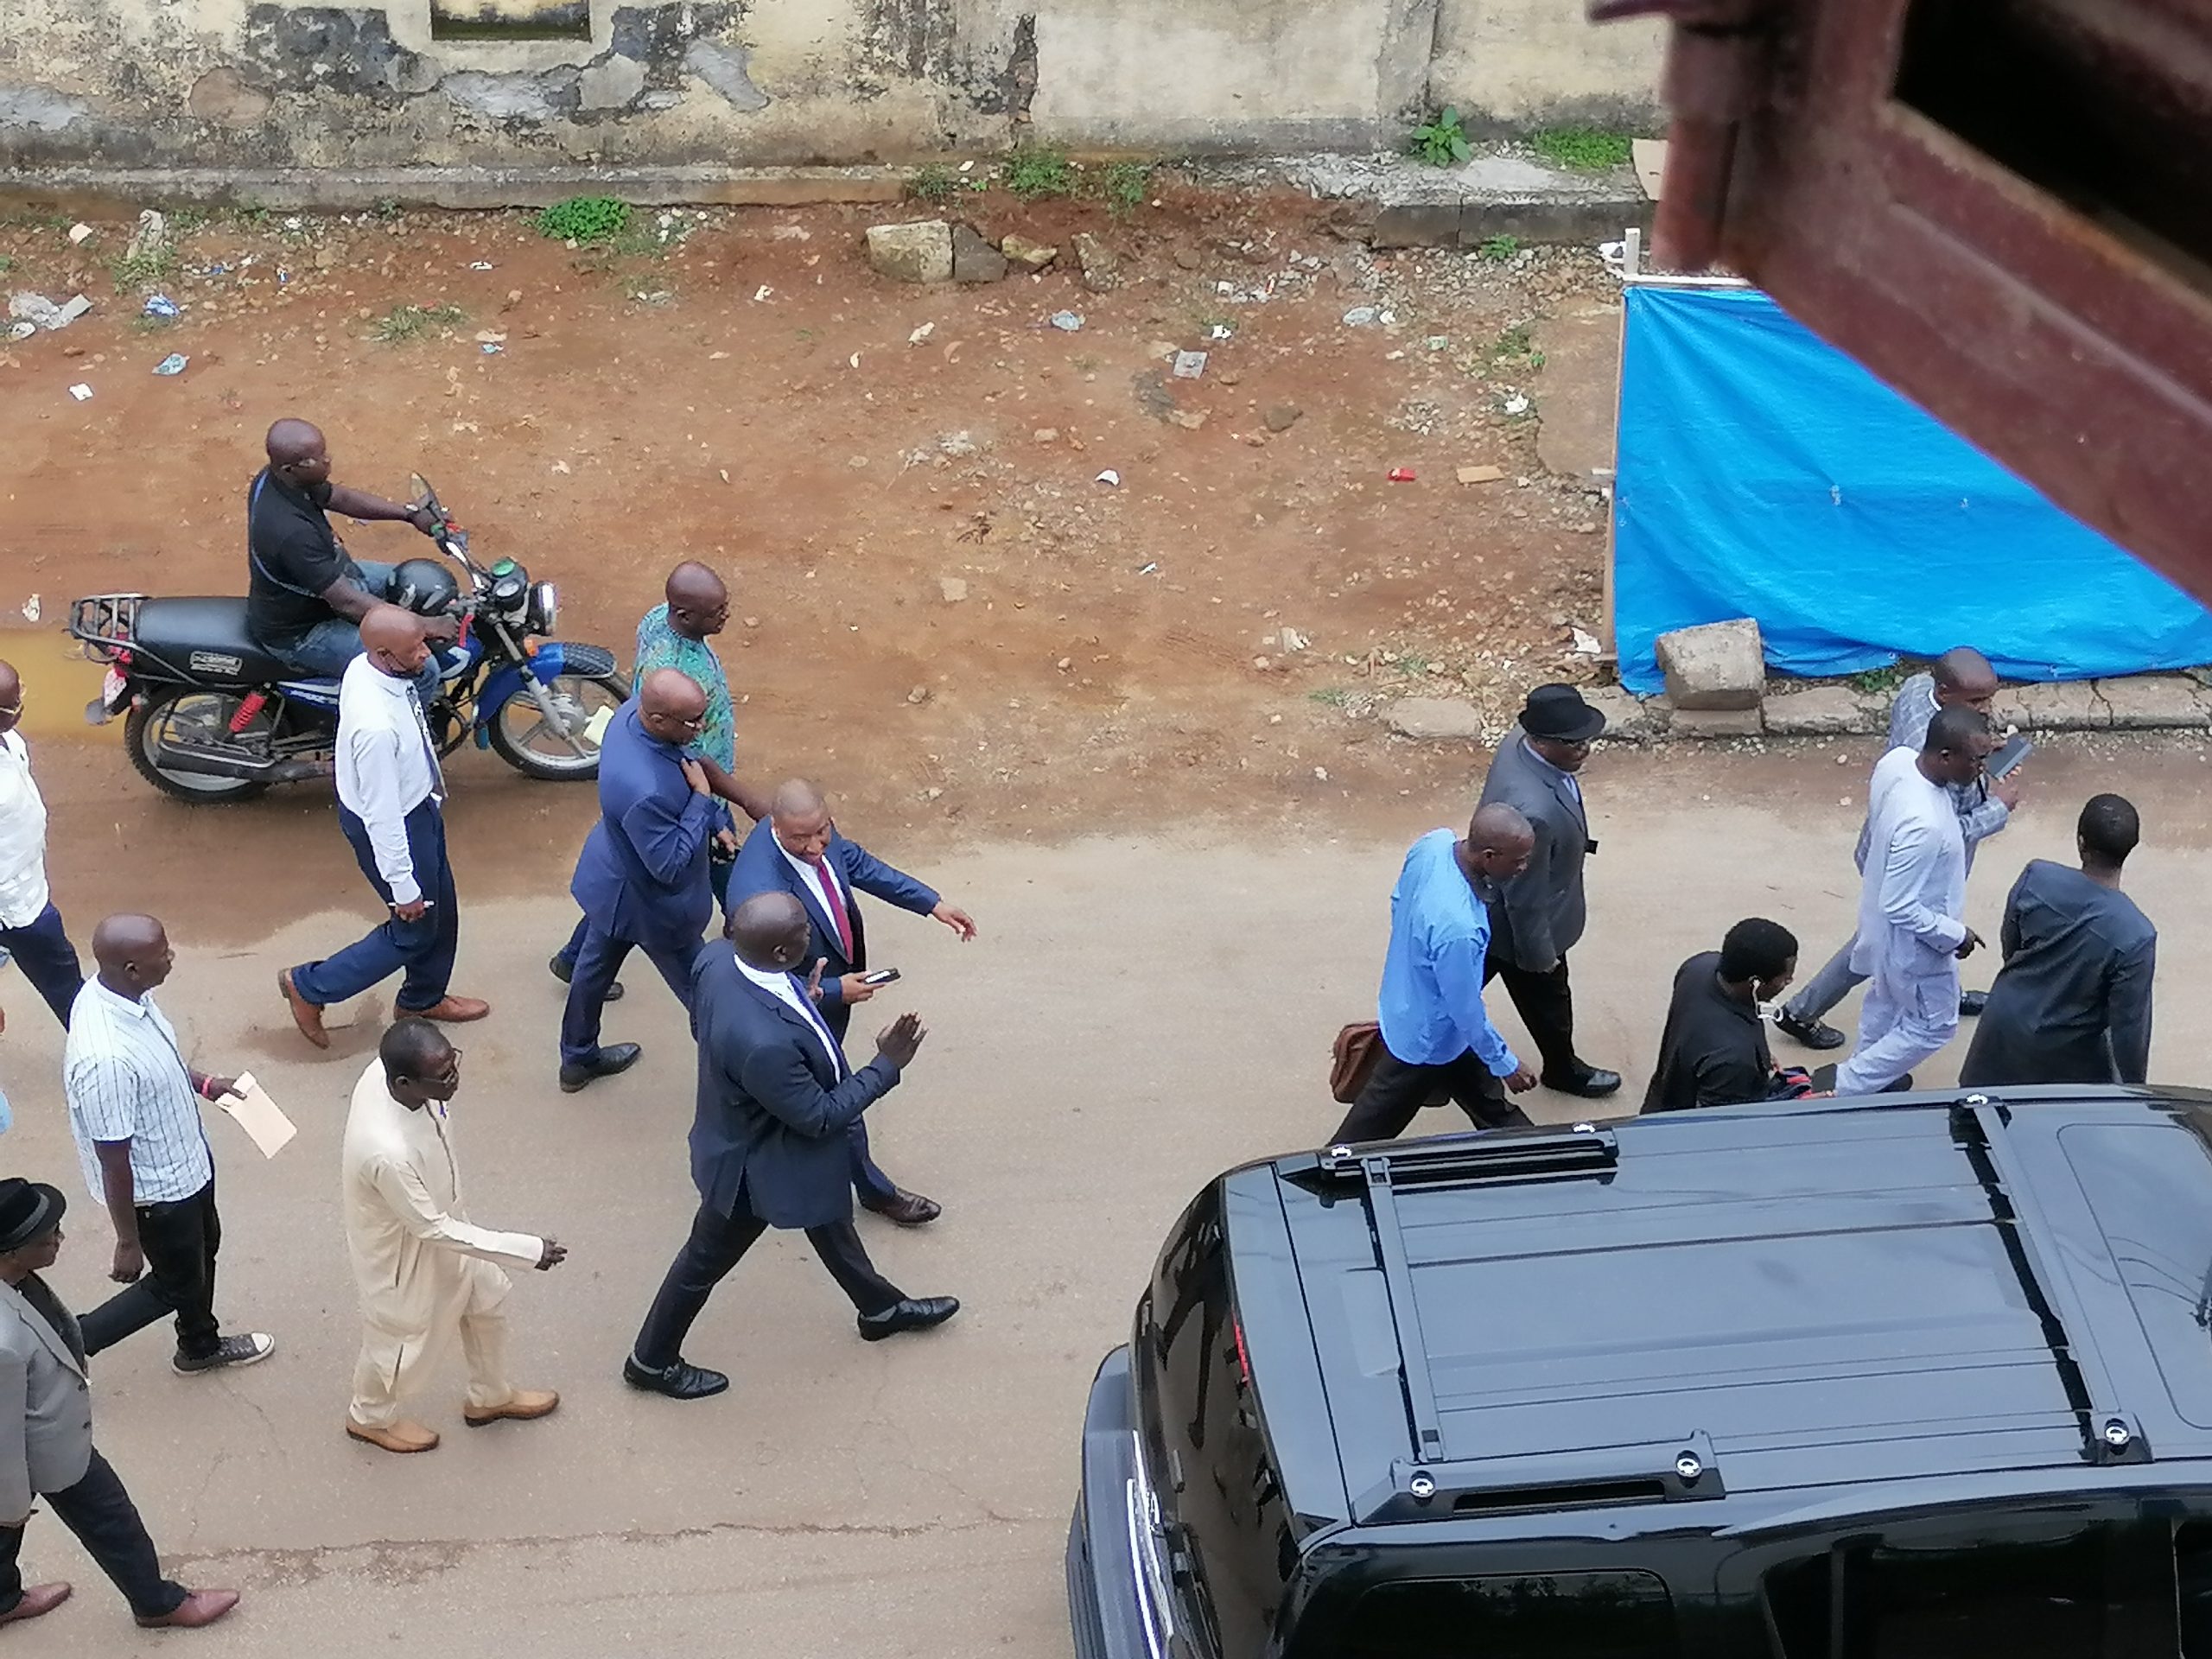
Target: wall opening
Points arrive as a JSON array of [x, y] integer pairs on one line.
[[510, 20]]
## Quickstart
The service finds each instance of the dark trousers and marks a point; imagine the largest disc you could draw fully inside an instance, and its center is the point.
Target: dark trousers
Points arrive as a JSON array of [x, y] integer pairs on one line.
[[1396, 1090], [600, 959], [180, 1240], [716, 1244], [106, 1524], [1547, 1008], [718, 872], [424, 947], [42, 950]]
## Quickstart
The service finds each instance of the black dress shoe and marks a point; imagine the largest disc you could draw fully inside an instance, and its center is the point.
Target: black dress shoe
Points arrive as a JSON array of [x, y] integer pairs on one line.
[[565, 971], [1971, 1003], [915, 1313], [682, 1381], [1594, 1084], [907, 1209], [1811, 1032], [615, 1057]]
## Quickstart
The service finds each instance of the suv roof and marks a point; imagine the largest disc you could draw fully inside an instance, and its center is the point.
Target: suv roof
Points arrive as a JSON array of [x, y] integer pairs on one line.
[[1699, 1304]]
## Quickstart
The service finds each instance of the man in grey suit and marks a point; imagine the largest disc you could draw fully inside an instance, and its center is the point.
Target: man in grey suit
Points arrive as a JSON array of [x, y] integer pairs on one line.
[[49, 1449], [1538, 915]]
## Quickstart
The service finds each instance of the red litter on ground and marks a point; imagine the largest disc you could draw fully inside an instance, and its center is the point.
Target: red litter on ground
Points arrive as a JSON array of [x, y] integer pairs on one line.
[[1401, 474]]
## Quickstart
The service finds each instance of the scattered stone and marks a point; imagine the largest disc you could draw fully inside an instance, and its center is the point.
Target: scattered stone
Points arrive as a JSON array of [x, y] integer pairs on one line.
[[919, 694], [1189, 419], [1283, 416], [1046, 434], [1823, 711], [918, 252], [1435, 718], [1261, 664], [1030, 256], [1102, 272], [955, 588], [975, 260], [325, 258], [1718, 665], [1187, 258], [1064, 664], [1716, 722]]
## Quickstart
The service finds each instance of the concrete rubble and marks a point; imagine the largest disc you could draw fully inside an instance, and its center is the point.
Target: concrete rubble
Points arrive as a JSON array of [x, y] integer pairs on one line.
[[1716, 666], [918, 252], [1101, 271], [973, 259], [1029, 255]]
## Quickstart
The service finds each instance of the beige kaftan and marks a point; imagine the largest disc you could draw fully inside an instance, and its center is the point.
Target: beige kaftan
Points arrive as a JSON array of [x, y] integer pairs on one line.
[[426, 1274]]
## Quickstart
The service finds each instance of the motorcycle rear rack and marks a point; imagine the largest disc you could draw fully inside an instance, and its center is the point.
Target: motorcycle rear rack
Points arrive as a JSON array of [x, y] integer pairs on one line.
[[105, 624]]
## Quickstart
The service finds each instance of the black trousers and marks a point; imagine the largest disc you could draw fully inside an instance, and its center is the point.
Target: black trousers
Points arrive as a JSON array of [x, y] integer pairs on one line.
[[180, 1240], [106, 1524], [1395, 1091], [716, 1245], [1546, 1003]]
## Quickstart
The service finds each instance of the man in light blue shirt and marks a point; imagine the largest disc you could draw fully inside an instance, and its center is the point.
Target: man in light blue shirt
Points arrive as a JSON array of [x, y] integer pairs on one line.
[[1436, 1037]]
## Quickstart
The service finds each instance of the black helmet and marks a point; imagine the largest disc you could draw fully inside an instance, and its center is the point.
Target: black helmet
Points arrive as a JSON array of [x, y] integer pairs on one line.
[[424, 586]]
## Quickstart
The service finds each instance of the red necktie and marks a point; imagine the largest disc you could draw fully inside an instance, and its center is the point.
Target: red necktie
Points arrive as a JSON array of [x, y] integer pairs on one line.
[[837, 907]]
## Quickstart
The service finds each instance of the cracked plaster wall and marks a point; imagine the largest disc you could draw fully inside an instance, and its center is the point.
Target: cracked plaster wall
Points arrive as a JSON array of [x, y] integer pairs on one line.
[[272, 83]]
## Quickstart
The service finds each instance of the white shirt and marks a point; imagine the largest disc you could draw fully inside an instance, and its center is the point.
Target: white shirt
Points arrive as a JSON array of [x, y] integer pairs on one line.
[[22, 836], [386, 767], [126, 1080], [812, 883], [786, 990], [1914, 891]]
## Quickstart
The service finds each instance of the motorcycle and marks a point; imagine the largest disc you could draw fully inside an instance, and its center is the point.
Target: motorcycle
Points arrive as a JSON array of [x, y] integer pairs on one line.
[[213, 717]]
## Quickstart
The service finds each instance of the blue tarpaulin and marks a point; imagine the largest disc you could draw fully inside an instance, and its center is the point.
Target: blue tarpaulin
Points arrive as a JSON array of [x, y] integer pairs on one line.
[[1763, 473]]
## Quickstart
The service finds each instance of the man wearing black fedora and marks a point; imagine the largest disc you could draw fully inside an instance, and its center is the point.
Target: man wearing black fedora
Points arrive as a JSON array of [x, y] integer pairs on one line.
[[49, 1449], [1538, 914]]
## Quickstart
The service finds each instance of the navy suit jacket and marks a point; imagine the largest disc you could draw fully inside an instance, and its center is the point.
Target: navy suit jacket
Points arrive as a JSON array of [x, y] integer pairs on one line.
[[773, 1109], [762, 867], [643, 873]]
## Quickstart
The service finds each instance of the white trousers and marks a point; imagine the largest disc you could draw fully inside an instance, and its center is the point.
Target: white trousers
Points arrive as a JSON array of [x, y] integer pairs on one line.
[[395, 1363], [1905, 1019]]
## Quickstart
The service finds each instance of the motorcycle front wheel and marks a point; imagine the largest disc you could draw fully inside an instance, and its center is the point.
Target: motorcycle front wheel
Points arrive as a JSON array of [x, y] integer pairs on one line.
[[181, 717], [524, 736]]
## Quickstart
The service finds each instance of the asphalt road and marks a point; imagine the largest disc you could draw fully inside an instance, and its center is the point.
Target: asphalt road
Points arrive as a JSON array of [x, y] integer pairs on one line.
[[1136, 1016]]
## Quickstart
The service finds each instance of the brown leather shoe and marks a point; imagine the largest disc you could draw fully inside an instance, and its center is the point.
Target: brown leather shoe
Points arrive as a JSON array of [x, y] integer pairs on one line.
[[399, 1437], [455, 1010], [199, 1607], [907, 1209], [36, 1602], [522, 1406], [307, 1015]]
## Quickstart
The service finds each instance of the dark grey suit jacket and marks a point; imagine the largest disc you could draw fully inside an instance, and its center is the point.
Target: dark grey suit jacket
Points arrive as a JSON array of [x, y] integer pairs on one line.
[[1539, 913]]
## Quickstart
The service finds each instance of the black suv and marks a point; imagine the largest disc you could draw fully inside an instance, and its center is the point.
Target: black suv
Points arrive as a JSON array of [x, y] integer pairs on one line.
[[1906, 1377]]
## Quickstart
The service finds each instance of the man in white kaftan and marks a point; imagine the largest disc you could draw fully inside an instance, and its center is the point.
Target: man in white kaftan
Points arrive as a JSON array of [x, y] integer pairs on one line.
[[427, 1274]]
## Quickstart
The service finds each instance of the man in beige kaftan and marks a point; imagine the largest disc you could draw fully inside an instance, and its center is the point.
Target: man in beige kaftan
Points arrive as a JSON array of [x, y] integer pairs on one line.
[[426, 1272]]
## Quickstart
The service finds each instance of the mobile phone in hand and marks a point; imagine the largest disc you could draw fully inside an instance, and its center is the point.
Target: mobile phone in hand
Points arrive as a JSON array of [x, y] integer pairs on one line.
[[881, 976], [2015, 749]]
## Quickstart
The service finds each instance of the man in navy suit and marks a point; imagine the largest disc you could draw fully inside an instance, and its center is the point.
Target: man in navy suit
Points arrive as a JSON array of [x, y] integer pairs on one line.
[[796, 850], [642, 879], [768, 1140]]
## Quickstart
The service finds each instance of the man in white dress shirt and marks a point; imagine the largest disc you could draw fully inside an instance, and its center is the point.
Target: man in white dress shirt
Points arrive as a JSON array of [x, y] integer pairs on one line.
[[30, 927], [390, 794], [427, 1274], [1912, 933]]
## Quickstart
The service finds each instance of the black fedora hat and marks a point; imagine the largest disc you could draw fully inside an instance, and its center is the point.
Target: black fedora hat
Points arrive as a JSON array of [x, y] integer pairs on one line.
[[28, 1211], [1558, 711]]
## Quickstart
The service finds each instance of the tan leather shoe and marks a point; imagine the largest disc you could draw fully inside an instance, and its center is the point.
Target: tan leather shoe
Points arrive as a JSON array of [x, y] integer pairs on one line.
[[523, 1404], [307, 1015], [397, 1436], [457, 1010], [37, 1601], [199, 1607]]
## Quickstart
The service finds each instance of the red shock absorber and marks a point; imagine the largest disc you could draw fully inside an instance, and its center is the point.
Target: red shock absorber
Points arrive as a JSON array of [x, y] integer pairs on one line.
[[248, 706]]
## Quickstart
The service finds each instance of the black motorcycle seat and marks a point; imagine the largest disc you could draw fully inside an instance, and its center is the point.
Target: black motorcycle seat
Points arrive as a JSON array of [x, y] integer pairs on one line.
[[205, 640]]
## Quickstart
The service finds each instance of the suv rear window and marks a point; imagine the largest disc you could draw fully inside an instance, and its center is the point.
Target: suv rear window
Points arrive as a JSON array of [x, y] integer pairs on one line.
[[1526, 1616]]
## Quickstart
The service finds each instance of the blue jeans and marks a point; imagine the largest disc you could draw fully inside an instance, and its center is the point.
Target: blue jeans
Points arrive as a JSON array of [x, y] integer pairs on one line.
[[424, 947], [325, 649], [597, 963], [42, 950]]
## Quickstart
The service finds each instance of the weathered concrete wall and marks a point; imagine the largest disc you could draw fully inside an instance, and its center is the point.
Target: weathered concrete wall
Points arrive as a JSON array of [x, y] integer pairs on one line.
[[262, 84]]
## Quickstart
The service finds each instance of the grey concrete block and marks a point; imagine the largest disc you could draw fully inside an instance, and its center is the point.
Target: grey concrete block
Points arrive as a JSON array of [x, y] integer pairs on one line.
[[1823, 711], [1716, 722], [1417, 225], [973, 259], [919, 252], [1715, 666], [2069, 706], [2144, 702], [1629, 719], [1435, 717], [1554, 221]]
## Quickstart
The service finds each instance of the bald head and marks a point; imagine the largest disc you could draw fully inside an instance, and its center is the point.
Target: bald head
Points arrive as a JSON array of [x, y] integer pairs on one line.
[[133, 953], [799, 816], [1499, 842], [671, 705], [770, 932], [297, 454], [394, 641], [1963, 676], [11, 697], [698, 604]]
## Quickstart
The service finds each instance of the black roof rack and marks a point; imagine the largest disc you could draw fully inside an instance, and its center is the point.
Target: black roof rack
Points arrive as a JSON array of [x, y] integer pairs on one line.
[[1683, 1470], [2110, 1432]]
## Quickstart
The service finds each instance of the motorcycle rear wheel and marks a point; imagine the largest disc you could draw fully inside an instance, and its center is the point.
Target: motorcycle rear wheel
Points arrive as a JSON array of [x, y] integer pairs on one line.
[[520, 725], [186, 707]]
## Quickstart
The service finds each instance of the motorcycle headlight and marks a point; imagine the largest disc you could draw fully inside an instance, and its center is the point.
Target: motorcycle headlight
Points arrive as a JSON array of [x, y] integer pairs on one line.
[[545, 607]]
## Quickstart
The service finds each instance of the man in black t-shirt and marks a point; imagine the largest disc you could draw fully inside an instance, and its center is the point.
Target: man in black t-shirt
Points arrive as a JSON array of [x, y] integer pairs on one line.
[[1713, 1051], [305, 594]]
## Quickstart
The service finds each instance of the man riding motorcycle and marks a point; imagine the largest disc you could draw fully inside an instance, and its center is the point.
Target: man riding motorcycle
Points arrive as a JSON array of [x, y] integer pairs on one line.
[[305, 594]]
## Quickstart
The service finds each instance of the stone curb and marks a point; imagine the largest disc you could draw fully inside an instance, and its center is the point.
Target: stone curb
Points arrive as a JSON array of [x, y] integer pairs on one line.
[[463, 188]]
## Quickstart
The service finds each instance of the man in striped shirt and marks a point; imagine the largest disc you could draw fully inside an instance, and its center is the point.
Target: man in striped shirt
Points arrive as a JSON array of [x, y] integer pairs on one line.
[[134, 1109]]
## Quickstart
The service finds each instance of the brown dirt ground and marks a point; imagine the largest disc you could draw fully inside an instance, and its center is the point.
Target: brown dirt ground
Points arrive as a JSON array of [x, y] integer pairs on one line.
[[1104, 666]]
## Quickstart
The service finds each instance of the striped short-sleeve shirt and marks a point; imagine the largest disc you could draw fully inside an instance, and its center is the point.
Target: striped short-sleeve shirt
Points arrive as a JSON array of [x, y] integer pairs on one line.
[[126, 1080]]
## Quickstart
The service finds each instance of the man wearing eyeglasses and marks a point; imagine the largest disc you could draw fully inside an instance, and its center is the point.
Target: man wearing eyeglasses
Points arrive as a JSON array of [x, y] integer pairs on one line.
[[30, 927], [642, 879]]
